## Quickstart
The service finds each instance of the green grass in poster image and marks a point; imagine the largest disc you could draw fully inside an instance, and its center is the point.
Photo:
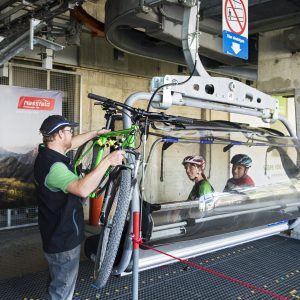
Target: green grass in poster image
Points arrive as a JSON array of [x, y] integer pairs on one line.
[[15, 193]]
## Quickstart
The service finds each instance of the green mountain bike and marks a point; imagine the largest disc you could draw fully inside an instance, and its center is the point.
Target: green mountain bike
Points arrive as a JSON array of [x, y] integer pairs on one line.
[[119, 183]]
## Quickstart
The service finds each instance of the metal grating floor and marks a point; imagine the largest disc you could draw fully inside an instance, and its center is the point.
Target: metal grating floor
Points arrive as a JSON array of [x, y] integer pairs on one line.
[[272, 264]]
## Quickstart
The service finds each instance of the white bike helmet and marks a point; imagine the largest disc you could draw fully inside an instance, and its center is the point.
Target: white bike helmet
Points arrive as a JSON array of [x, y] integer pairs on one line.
[[194, 159]]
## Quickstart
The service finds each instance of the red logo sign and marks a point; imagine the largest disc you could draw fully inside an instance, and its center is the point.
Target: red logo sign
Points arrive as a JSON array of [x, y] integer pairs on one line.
[[36, 103]]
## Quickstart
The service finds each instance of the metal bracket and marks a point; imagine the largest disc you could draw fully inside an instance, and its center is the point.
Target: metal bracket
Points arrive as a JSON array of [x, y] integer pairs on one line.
[[48, 44], [33, 25], [188, 3], [4, 70], [190, 39], [215, 93]]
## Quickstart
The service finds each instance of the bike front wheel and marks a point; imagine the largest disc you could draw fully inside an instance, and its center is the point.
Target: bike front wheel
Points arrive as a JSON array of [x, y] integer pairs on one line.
[[115, 212], [87, 154]]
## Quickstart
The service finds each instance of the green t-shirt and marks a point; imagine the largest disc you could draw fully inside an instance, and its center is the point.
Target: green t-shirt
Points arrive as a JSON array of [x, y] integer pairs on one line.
[[200, 188], [59, 177]]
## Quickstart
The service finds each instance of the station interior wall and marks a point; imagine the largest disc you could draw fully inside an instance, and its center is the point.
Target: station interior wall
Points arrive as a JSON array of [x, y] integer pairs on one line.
[[116, 75]]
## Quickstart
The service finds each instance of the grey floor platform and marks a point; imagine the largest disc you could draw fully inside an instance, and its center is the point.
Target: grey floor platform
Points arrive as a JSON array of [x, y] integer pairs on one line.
[[272, 264]]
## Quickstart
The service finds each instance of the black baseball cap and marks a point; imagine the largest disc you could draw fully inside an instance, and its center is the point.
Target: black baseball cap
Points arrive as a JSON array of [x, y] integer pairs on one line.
[[54, 123]]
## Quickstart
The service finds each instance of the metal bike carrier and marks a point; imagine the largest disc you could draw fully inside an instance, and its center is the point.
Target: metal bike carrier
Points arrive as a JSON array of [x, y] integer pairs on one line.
[[197, 247], [206, 92]]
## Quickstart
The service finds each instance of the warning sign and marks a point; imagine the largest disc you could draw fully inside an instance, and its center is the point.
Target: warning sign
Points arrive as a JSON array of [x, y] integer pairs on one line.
[[236, 16], [235, 28]]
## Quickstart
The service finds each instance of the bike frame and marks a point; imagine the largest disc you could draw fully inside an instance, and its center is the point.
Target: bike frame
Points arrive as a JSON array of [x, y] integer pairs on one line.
[[128, 142]]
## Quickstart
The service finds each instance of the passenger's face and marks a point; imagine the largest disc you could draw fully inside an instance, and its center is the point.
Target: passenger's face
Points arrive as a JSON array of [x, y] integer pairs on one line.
[[238, 171], [192, 171]]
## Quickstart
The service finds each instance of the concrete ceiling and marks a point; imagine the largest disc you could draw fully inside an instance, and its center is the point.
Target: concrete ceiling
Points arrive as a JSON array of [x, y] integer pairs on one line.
[[153, 29], [149, 28]]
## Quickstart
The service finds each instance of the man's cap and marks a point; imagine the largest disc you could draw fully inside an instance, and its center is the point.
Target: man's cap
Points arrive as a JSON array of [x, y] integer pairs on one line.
[[54, 123]]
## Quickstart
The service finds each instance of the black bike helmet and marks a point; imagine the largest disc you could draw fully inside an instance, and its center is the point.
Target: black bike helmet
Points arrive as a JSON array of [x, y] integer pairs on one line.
[[241, 159]]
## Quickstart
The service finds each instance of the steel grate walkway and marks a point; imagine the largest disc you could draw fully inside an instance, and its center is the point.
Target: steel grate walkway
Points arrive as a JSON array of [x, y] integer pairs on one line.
[[272, 264]]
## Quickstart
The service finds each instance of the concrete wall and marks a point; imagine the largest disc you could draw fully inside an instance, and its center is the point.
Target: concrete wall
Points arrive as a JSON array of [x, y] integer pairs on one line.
[[97, 53], [278, 68]]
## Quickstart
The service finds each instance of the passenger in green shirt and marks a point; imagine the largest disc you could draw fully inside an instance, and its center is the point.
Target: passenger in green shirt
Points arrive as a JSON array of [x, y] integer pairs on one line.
[[194, 167], [202, 191]]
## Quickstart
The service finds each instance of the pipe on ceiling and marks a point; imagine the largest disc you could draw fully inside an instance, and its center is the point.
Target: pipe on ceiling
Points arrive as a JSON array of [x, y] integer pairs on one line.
[[94, 25]]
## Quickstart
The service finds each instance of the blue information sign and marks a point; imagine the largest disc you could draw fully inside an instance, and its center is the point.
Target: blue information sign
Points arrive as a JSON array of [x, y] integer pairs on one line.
[[235, 44], [235, 28]]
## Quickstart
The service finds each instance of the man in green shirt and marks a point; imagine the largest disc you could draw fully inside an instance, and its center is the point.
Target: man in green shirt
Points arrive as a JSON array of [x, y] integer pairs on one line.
[[60, 193]]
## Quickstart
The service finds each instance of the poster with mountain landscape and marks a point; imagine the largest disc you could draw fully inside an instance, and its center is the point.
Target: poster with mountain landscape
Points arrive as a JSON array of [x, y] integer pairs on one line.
[[22, 113]]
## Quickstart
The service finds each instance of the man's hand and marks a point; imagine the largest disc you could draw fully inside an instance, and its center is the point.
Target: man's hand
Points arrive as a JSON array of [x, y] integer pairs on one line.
[[116, 157], [101, 131], [85, 185], [80, 139]]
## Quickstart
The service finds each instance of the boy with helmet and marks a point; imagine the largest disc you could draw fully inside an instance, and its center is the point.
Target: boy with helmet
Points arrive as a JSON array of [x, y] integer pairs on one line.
[[240, 166], [194, 166]]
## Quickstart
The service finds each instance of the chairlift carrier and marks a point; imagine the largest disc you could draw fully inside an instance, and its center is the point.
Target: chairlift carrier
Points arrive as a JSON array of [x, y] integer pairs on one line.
[[214, 93]]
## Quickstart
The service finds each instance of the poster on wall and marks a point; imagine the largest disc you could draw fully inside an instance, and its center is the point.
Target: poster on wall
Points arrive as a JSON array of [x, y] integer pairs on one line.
[[22, 113]]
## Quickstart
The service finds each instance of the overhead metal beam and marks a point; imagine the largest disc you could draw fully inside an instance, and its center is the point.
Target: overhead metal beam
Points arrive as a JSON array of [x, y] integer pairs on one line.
[[48, 44], [11, 11], [22, 43], [213, 8], [7, 3], [278, 22]]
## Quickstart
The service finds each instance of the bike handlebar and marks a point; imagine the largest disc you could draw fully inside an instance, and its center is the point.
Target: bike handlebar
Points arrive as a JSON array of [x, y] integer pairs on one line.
[[154, 116]]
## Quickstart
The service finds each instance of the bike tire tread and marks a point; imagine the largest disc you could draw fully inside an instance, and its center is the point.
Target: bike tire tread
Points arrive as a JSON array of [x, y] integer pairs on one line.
[[116, 229]]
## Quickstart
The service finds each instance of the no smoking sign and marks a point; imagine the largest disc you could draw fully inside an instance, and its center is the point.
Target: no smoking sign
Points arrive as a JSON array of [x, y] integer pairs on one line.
[[235, 28]]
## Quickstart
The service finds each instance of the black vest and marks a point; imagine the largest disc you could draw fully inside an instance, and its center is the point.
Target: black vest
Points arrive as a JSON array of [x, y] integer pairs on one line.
[[61, 219]]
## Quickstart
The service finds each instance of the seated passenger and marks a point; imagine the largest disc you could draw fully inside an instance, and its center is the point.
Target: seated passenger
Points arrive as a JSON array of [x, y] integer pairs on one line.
[[194, 166], [240, 166]]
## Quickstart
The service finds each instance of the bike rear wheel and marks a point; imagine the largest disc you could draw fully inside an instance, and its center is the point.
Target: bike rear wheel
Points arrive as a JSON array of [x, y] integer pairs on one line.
[[115, 213]]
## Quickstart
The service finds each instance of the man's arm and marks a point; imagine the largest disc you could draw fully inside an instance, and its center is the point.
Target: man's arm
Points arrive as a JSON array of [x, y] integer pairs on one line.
[[80, 139], [84, 186]]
